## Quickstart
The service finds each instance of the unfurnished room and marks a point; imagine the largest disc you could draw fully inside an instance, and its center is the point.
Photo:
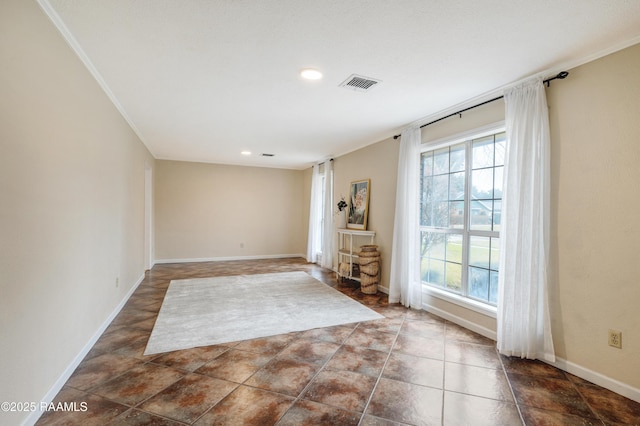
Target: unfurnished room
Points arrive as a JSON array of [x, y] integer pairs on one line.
[[292, 212]]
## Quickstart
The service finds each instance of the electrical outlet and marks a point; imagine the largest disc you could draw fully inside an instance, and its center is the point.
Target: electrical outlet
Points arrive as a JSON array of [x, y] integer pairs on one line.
[[615, 338]]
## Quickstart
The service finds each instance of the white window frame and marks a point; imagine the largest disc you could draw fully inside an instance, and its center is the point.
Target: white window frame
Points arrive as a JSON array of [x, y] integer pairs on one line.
[[431, 291]]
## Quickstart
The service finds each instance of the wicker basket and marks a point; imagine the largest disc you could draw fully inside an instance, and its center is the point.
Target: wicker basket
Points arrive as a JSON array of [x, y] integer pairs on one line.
[[369, 259]]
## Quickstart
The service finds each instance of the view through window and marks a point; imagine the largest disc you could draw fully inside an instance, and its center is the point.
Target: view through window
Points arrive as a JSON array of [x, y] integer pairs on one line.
[[460, 206]]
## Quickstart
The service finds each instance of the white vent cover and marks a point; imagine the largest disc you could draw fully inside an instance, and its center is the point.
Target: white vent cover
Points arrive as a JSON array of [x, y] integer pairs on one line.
[[359, 83]]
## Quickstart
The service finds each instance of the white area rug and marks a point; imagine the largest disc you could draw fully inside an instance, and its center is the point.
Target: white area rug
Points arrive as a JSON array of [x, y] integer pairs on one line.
[[209, 311]]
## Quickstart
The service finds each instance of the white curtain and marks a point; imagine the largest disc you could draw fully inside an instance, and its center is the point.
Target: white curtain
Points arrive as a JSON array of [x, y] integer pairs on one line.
[[405, 286], [313, 241], [327, 215], [524, 327]]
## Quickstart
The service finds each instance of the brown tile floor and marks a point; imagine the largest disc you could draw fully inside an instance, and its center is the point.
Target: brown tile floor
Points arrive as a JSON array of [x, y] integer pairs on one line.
[[411, 368]]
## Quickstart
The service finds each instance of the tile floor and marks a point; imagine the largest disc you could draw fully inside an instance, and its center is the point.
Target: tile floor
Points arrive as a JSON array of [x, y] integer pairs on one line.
[[411, 368]]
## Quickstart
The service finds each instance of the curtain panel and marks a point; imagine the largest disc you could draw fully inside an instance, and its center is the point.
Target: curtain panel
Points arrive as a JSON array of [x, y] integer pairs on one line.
[[327, 216], [404, 285], [524, 326], [320, 238], [313, 240]]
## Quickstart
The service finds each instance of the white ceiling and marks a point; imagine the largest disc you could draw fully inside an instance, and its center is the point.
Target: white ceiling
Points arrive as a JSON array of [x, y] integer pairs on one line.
[[201, 80]]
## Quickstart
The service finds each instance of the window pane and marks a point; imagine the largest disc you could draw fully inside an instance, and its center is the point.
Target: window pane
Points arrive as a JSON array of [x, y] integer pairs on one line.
[[483, 152], [432, 265], [457, 157], [493, 287], [433, 244], [425, 202], [495, 254], [497, 214], [479, 283], [454, 276], [434, 273], [441, 161], [430, 214], [456, 186], [497, 182], [482, 184], [479, 251], [501, 139], [456, 214], [427, 164], [454, 248], [481, 212], [441, 214], [440, 188]]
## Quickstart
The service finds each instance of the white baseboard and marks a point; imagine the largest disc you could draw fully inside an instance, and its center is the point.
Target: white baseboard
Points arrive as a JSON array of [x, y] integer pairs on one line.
[[568, 366], [486, 332], [220, 259], [598, 379], [57, 386]]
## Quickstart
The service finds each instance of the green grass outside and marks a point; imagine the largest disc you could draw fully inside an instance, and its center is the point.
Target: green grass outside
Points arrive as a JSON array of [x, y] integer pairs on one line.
[[452, 272]]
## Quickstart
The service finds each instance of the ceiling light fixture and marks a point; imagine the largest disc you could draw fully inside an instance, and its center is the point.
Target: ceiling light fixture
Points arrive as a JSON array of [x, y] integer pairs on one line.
[[245, 152], [311, 74]]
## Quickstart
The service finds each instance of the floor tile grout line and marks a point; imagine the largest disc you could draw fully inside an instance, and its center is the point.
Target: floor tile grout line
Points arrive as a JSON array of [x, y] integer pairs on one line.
[[133, 406], [302, 392], [384, 366], [593, 411], [444, 367], [205, 412], [573, 385], [513, 394], [244, 383]]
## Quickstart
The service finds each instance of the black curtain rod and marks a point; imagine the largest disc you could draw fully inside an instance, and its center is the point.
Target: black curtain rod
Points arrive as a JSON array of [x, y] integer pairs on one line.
[[330, 159], [561, 75]]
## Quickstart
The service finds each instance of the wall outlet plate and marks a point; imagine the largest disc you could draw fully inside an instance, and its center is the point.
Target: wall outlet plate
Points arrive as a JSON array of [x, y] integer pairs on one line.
[[615, 338]]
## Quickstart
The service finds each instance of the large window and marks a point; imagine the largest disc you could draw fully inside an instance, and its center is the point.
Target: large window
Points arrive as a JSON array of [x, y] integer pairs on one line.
[[461, 196]]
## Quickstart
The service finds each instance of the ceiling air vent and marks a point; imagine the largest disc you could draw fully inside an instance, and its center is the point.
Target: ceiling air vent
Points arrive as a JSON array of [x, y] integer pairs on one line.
[[359, 83]]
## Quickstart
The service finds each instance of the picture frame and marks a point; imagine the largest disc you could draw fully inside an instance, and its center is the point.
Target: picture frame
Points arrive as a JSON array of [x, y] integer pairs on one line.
[[358, 212]]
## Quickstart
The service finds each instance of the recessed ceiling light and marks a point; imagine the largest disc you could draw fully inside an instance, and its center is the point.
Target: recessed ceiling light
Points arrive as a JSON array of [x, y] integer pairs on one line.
[[311, 74], [245, 152]]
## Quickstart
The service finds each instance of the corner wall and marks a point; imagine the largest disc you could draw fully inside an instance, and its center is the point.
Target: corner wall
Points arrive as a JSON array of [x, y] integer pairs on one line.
[[72, 207]]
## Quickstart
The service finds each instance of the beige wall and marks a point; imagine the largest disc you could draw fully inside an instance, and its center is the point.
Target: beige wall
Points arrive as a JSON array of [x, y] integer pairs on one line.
[[595, 158], [71, 208], [378, 162], [212, 211]]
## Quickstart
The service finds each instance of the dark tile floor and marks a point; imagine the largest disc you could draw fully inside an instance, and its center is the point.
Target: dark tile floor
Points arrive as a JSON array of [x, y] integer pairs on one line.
[[411, 368]]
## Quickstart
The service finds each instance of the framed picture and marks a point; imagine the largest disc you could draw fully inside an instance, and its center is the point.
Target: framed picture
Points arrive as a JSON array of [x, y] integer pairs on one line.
[[359, 204]]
